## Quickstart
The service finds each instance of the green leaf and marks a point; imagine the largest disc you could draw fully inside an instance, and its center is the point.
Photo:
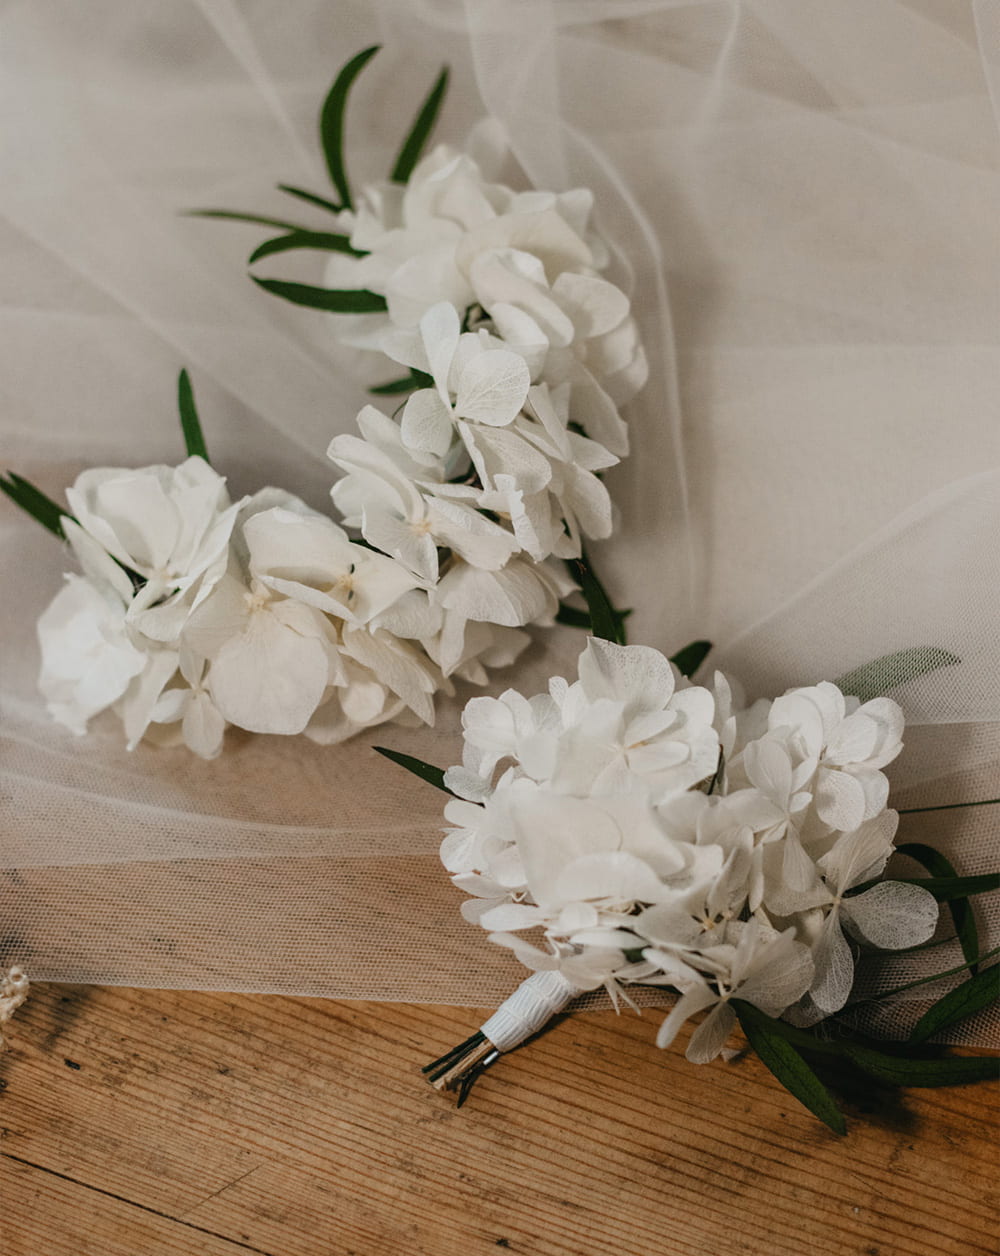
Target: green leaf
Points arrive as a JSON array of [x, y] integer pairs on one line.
[[572, 616], [232, 216], [324, 240], [414, 143], [426, 771], [971, 996], [886, 673], [961, 913], [605, 621], [415, 379], [35, 503], [331, 123], [688, 660], [788, 1066], [194, 441], [309, 197], [334, 300], [904, 1070], [923, 981], [947, 889], [950, 806]]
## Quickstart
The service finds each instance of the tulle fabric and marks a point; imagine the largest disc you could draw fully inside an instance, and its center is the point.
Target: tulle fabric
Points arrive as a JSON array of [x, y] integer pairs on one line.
[[803, 200]]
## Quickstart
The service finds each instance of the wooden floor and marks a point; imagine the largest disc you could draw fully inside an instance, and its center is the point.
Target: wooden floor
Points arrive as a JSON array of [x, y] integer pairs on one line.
[[148, 1123]]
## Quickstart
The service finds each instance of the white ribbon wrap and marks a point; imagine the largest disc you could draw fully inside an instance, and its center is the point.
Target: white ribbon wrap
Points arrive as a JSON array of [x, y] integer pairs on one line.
[[533, 1003]]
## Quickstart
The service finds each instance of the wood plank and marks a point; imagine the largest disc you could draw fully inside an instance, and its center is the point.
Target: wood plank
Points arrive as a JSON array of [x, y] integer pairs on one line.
[[301, 1127]]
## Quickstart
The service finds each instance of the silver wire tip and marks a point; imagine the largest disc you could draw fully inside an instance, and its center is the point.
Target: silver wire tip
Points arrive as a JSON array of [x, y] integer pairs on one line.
[[461, 1067]]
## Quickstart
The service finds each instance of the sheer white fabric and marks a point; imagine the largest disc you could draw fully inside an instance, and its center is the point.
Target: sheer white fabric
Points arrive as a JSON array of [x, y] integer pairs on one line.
[[804, 199]]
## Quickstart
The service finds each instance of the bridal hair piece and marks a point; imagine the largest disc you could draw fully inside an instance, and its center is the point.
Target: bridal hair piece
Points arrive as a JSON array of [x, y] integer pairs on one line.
[[812, 486]]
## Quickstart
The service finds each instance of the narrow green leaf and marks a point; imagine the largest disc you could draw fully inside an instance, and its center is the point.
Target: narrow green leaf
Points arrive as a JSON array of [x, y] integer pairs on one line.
[[905, 1070], [971, 996], [788, 1066], [924, 981], [324, 240], [414, 143], [194, 441], [605, 621], [688, 660], [415, 379], [961, 913], [331, 123], [229, 215], [884, 674], [334, 300], [310, 198], [572, 616], [426, 771], [35, 503], [947, 889], [950, 806]]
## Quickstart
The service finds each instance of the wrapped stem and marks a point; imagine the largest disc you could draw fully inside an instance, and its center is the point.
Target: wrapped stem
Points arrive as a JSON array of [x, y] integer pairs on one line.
[[531, 1006]]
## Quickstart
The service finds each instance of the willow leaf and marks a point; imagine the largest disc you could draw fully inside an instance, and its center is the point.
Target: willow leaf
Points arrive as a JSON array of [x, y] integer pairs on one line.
[[333, 300], [230, 215], [310, 198], [414, 143], [884, 674], [605, 621], [323, 240], [194, 441], [35, 503], [415, 379], [688, 660], [961, 913], [904, 1070], [788, 1066], [426, 771], [970, 997], [331, 123]]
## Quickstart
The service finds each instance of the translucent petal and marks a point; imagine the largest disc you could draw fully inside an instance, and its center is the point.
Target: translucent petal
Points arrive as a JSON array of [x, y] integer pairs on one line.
[[892, 915], [493, 387]]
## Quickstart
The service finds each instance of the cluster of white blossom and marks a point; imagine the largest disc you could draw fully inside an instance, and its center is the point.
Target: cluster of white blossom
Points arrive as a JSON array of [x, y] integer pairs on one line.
[[194, 612], [494, 302], [522, 266], [647, 831]]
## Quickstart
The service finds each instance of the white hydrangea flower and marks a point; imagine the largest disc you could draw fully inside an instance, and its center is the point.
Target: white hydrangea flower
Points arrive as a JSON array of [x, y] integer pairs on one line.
[[618, 841], [846, 743], [170, 525], [525, 264], [88, 659], [890, 915], [768, 969]]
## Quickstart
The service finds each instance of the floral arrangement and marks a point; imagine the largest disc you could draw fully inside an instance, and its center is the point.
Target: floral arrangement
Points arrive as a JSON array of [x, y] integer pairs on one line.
[[647, 831], [644, 830], [193, 612]]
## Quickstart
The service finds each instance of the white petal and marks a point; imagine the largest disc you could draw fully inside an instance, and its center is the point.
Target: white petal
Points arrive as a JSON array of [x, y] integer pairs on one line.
[[635, 675], [840, 800], [427, 423], [688, 1004], [892, 915], [710, 1036], [834, 963], [594, 305], [203, 727], [269, 679], [493, 387], [615, 875]]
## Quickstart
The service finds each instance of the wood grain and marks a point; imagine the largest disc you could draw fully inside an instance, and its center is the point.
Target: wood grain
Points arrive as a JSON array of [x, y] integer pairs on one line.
[[149, 1123]]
